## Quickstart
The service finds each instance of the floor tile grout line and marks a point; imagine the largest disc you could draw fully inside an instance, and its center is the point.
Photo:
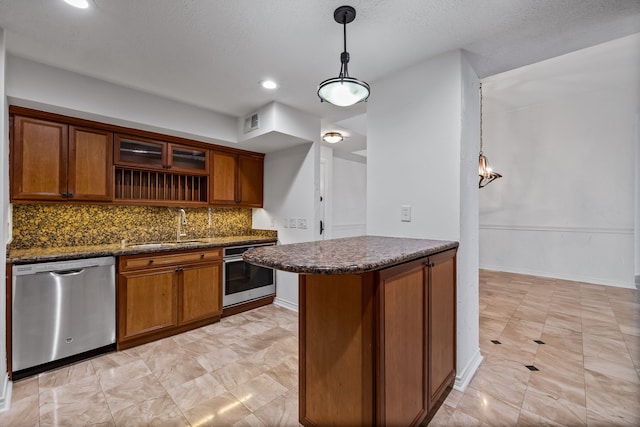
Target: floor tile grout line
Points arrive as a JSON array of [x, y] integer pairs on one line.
[[104, 394]]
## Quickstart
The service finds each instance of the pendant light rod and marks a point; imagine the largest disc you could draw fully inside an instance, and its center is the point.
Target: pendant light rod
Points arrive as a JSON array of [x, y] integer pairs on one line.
[[480, 117], [484, 171], [344, 30], [348, 15]]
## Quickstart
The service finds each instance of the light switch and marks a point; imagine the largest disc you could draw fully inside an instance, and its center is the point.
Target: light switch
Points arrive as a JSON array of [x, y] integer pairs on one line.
[[405, 213], [302, 223]]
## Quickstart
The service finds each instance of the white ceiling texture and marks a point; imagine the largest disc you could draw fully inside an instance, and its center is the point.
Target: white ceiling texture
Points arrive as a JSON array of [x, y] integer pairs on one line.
[[213, 53]]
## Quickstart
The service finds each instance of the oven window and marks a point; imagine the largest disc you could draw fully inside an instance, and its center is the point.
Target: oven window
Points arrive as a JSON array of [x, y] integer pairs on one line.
[[241, 276]]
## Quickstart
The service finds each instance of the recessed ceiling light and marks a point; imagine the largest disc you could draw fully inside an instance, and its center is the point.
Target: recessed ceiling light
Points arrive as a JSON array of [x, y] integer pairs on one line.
[[80, 4], [268, 84]]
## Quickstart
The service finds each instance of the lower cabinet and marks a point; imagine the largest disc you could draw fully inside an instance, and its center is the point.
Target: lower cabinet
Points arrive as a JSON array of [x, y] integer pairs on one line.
[[441, 331], [199, 296], [378, 348], [167, 293]]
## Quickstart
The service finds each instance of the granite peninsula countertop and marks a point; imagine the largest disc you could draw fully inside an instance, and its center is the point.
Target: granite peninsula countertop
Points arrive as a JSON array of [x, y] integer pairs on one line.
[[351, 255], [23, 256]]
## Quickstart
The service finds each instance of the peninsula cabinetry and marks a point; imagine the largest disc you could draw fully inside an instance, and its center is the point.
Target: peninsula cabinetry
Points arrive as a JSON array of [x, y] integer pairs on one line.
[[164, 294], [378, 348], [237, 179], [59, 162]]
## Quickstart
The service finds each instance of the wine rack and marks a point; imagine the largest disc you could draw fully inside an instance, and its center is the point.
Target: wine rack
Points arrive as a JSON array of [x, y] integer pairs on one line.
[[150, 186]]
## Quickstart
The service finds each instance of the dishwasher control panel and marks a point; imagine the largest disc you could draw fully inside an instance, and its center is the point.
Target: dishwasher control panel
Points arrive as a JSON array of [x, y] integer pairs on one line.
[[46, 267]]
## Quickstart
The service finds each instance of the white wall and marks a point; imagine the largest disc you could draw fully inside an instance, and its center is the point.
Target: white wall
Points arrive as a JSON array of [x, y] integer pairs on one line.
[[290, 178], [468, 294], [349, 198], [413, 151], [291, 187], [39, 86], [565, 205], [5, 385], [637, 208], [326, 190], [419, 147]]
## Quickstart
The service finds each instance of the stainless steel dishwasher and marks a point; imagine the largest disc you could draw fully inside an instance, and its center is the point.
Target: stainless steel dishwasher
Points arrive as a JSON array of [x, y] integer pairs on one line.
[[61, 312]]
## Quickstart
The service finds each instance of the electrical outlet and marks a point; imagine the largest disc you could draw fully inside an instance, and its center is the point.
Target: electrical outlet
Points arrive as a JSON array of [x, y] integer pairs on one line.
[[302, 223], [405, 213], [293, 223]]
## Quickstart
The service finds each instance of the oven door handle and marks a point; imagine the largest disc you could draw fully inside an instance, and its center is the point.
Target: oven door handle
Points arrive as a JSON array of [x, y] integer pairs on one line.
[[232, 259]]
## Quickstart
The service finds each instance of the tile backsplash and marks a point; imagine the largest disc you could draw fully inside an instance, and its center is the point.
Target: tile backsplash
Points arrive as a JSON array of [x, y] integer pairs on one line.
[[61, 225]]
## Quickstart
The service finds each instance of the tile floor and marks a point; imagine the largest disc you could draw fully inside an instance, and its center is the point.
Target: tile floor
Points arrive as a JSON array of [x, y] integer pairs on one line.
[[243, 370], [588, 367]]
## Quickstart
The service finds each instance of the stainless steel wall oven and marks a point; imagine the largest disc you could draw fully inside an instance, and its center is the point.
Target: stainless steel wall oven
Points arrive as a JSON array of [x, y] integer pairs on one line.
[[245, 282]]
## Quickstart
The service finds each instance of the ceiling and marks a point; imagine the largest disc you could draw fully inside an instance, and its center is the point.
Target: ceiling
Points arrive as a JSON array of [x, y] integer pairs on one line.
[[212, 54]]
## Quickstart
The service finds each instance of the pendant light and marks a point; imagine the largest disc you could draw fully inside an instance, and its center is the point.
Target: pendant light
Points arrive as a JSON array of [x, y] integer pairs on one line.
[[486, 174], [343, 90]]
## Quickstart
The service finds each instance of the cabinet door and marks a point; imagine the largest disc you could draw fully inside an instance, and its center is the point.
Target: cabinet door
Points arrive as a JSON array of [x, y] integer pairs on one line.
[[250, 180], [200, 292], [188, 159], [224, 171], [140, 152], [146, 302], [402, 395], [39, 160], [442, 324], [90, 164]]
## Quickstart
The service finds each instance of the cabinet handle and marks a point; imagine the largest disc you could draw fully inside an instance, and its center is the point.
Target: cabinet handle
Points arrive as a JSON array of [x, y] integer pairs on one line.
[[69, 194], [431, 264], [65, 194], [150, 261], [178, 270], [201, 255]]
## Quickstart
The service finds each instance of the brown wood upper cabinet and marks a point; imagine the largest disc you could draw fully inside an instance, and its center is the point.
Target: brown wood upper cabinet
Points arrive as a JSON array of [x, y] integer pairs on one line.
[[56, 161], [151, 154], [237, 179]]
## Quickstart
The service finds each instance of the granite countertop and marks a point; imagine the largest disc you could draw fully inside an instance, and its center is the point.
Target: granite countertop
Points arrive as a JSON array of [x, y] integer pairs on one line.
[[23, 256], [351, 255]]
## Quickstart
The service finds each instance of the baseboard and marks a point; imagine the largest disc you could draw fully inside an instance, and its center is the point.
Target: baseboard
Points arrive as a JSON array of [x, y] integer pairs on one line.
[[574, 278], [464, 378], [5, 393], [285, 304]]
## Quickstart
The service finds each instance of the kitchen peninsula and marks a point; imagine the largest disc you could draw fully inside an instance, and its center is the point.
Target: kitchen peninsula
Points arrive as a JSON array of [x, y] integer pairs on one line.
[[377, 327]]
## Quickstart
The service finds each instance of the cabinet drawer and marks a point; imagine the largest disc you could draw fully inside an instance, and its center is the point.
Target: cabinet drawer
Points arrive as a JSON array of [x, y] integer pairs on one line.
[[133, 262]]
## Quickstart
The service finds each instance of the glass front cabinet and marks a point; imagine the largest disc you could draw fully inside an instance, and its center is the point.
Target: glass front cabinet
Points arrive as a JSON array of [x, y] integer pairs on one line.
[[150, 154]]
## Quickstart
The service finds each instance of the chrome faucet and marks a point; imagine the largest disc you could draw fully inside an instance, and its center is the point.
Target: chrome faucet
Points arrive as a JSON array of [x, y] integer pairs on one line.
[[182, 222]]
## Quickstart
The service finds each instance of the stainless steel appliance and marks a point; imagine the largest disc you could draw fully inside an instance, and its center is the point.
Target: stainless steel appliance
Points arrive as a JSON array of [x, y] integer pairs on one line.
[[245, 282], [61, 312]]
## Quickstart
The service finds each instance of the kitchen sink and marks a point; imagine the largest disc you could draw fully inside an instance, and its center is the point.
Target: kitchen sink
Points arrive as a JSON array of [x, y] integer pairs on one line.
[[164, 244], [151, 245], [188, 242]]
